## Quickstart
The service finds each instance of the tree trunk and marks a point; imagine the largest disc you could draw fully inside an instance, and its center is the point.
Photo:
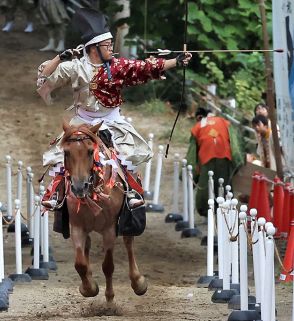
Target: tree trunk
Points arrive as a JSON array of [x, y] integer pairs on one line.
[[270, 101], [122, 30]]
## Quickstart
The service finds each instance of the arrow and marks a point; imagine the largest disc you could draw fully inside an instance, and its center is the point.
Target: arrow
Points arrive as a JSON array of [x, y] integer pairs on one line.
[[165, 52]]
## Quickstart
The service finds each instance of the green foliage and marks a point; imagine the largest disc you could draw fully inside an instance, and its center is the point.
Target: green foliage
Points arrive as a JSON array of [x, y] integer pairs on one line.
[[222, 24], [150, 107], [214, 73], [246, 83], [181, 135]]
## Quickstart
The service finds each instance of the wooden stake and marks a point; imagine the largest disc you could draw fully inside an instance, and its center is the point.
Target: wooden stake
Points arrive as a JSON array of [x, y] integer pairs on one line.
[[270, 100]]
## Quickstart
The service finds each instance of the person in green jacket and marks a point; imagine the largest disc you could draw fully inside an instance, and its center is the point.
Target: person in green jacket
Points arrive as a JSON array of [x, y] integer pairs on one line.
[[214, 146]]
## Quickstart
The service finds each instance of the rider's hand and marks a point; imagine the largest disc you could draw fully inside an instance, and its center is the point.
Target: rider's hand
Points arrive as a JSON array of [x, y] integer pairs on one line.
[[68, 54], [183, 59]]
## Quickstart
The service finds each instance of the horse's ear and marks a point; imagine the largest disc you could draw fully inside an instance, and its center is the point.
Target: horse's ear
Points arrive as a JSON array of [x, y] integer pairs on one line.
[[94, 129], [65, 125]]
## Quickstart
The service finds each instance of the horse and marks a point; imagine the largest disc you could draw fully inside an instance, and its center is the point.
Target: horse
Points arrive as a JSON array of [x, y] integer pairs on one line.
[[99, 214]]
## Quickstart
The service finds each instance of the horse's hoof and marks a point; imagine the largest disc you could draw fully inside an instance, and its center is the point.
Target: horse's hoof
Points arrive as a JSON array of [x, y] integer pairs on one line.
[[89, 291], [141, 286]]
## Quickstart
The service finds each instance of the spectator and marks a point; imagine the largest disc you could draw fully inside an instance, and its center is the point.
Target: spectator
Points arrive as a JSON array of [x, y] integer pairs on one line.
[[55, 18], [213, 146], [265, 144], [9, 7], [261, 109]]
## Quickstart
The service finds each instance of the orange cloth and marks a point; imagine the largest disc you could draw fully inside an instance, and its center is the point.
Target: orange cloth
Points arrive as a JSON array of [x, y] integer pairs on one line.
[[213, 139]]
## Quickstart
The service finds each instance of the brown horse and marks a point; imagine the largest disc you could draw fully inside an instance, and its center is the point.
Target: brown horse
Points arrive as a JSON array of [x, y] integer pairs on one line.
[[99, 214]]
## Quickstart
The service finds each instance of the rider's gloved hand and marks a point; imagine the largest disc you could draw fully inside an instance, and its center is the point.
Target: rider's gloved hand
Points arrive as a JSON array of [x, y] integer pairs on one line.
[[183, 59], [66, 55]]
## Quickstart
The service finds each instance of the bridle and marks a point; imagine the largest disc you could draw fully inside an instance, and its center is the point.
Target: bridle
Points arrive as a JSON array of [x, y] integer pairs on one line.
[[81, 135]]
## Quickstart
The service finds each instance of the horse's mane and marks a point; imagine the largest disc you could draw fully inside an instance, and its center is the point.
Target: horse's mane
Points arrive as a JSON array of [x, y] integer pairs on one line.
[[84, 128]]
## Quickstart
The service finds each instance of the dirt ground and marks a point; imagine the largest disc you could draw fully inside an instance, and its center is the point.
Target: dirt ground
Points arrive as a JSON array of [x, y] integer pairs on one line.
[[171, 264]]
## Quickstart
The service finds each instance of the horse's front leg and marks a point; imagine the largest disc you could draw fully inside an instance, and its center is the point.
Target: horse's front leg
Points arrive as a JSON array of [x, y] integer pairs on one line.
[[82, 245], [138, 282], [107, 265]]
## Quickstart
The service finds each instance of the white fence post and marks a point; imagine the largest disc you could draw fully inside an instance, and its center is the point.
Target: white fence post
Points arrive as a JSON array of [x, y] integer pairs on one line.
[[204, 281], [19, 276], [146, 182], [175, 216], [155, 206], [8, 187], [191, 231]]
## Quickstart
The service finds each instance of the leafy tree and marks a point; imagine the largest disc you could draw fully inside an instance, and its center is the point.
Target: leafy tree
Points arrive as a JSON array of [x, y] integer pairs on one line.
[[212, 24]]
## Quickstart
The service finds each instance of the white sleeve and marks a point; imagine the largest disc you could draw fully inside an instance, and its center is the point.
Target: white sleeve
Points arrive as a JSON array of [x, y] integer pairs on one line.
[[59, 78]]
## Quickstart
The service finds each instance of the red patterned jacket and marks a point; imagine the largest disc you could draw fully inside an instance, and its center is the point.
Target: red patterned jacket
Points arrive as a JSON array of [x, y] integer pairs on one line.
[[125, 72]]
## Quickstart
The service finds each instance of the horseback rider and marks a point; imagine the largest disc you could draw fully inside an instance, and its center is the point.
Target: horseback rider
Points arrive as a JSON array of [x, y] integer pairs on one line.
[[97, 80]]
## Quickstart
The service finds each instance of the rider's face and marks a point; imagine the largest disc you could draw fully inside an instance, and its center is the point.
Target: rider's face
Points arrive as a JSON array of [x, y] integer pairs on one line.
[[106, 48]]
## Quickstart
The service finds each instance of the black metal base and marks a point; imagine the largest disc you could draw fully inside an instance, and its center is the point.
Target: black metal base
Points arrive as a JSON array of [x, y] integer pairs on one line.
[[173, 217], [4, 295], [26, 241], [51, 265], [23, 228], [204, 281], [148, 195], [222, 296], [7, 283], [215, 284], [250, 315], [236, 286], [3, 290], [38, 274], [154, 208], [204, 241], [20, 278], [191, 232], [4, 303], [235, 302], [181, 225]]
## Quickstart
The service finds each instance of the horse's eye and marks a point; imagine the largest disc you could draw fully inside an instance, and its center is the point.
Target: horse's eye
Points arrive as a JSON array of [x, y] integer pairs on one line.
[[91, 152]]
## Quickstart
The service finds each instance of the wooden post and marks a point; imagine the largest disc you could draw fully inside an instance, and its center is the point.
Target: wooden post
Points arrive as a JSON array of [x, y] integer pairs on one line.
[[270, 100]]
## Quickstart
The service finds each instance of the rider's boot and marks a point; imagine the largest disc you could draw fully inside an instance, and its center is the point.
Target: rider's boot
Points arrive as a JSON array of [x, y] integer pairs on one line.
[[134, 196], [53, 200], [133, 201], [54, 194]]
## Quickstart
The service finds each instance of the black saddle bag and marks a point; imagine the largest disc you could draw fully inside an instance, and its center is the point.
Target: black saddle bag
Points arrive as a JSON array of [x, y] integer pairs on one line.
[[132, 222]]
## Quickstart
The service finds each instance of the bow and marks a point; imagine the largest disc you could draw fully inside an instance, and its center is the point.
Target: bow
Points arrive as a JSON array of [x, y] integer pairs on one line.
[[184, 79]]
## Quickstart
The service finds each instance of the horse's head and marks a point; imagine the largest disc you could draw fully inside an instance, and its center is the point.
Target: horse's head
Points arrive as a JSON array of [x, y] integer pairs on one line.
[[79, 144]]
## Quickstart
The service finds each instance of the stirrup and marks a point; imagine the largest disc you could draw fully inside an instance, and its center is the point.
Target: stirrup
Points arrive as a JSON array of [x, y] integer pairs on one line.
[[134, 203], [53, 203], [50, 205]]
